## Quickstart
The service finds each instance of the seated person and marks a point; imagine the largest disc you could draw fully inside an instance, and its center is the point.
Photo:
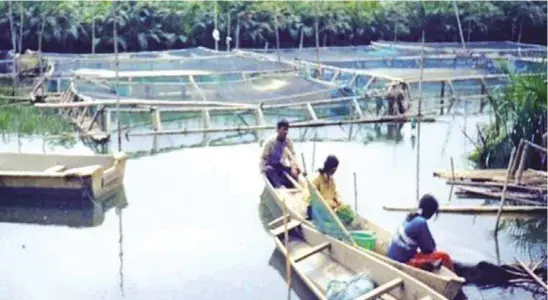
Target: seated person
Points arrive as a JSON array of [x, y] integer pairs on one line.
[[273, 154], [414, 234], [325, 184]]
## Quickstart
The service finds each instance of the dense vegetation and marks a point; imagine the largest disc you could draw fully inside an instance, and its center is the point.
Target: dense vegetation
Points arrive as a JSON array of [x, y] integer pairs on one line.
[[520, 113], [72, 26]]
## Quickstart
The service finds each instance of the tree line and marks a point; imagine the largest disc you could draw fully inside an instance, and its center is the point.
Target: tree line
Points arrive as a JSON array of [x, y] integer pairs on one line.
[[88, 27]]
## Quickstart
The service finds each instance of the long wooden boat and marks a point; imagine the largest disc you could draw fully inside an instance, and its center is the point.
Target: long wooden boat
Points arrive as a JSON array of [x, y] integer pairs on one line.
[[443, 280], [59, 178], [318, 259]]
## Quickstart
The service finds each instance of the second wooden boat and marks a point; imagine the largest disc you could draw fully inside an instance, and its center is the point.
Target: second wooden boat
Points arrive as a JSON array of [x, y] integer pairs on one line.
[[319, 259], [59, 178], [443, 280]]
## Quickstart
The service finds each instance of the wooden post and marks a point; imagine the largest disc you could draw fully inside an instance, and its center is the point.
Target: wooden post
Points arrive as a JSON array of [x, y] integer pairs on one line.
[[107, 120], [419, 120], [504, 188], [311, 112], [442, 96], [312, 166], [453, 179], [514, 163], [287, 252], [355, 194], [483, 93], [156, 120], [522, 161], [304, 165]]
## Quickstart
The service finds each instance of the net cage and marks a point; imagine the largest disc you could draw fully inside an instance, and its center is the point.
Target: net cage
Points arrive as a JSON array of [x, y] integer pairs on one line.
[[382, 54], [249, 88], [324, 219]]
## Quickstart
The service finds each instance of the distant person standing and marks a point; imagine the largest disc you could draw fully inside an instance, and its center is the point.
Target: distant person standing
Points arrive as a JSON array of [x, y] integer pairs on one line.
[[276, 150]]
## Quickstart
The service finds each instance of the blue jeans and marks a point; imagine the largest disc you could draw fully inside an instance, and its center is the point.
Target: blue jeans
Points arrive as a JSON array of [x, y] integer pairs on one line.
[[276, 176]]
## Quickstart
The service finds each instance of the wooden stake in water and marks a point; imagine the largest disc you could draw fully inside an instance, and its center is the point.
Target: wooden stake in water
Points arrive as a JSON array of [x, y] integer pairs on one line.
[[355, 194], [116, 79], [419, 119], [314, 151], [504, 188], [304, 165], [453, 179]]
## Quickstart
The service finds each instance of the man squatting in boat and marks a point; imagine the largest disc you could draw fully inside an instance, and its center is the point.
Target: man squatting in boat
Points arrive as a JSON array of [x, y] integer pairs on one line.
[[414, 234], [274, 153]]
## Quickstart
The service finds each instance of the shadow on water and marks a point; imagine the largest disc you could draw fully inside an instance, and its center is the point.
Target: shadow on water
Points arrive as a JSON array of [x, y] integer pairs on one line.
[[62, 214]]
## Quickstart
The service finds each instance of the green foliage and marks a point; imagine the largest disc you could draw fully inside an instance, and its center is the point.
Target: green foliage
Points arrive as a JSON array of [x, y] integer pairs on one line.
[[159, 25], [520, 113], [26, 120], [346, 214]]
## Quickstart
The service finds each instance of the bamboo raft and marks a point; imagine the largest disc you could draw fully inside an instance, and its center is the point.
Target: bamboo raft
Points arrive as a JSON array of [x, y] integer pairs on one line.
[[293, 201], [527, 186], [318, 259]]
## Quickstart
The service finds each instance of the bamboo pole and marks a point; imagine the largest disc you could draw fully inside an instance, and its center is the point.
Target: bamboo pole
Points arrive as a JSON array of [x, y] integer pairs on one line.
[[504, 188], [355, 193], [519, 173], [304, 165], [538, 189], [287, 251], [533, 275], [453, 178], [459, 24], [473, 210], [312, 166], [117, 70], [418, 121], [384, 119], [130, 102]]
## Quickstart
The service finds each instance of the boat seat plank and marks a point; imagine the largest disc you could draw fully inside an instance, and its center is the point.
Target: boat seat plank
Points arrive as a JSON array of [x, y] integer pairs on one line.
[[276, 221], [390, 297], [281, 229], [55, 169], [312, 251], [383, 289]]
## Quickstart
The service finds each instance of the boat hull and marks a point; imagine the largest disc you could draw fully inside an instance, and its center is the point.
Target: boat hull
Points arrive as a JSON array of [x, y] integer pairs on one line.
[[340, 261], [448, 285]]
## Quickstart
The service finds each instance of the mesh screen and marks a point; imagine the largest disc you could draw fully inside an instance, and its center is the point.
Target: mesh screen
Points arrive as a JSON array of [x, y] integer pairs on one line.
[[200, 59], [256, 88], [323, 220]]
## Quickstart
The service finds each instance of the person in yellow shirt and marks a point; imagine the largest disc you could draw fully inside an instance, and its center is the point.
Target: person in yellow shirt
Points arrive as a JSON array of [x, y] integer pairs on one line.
[[325, 183]]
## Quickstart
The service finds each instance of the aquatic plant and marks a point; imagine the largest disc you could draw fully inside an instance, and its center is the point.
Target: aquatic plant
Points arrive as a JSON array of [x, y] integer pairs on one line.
[[519, 113], [23, 120]]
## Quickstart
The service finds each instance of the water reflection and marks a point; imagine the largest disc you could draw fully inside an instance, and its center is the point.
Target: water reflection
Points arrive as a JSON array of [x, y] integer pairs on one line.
[[65, 214]]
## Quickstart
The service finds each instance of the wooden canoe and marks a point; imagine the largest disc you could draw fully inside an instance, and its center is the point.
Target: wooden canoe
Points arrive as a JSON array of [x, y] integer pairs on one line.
[[318, 259], [59, 177], [443, 281]]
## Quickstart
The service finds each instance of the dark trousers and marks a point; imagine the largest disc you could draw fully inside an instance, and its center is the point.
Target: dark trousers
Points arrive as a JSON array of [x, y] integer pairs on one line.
[[277, 177]]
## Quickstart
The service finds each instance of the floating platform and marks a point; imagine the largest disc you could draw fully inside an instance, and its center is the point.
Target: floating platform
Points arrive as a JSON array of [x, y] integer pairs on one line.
[[54, 180]]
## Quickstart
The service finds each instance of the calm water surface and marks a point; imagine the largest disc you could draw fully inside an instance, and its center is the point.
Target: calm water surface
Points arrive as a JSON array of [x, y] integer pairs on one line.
[[194, 225]]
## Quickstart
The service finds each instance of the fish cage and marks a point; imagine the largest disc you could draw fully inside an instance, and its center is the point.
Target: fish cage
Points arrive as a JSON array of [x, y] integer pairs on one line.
[[204, 97]]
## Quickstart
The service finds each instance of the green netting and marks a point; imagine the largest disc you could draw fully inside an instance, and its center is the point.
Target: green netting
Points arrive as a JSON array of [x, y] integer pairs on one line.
[[323, 219]]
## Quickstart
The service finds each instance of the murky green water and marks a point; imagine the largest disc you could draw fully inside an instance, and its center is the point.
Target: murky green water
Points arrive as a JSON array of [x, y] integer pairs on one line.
[[193, 228]]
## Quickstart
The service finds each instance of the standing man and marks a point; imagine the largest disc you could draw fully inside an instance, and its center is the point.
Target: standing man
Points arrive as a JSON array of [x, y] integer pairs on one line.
[[276, 150]]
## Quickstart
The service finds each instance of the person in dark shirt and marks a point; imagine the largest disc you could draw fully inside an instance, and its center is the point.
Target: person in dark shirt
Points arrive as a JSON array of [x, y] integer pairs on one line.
[[276, 151], [414, 234]]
